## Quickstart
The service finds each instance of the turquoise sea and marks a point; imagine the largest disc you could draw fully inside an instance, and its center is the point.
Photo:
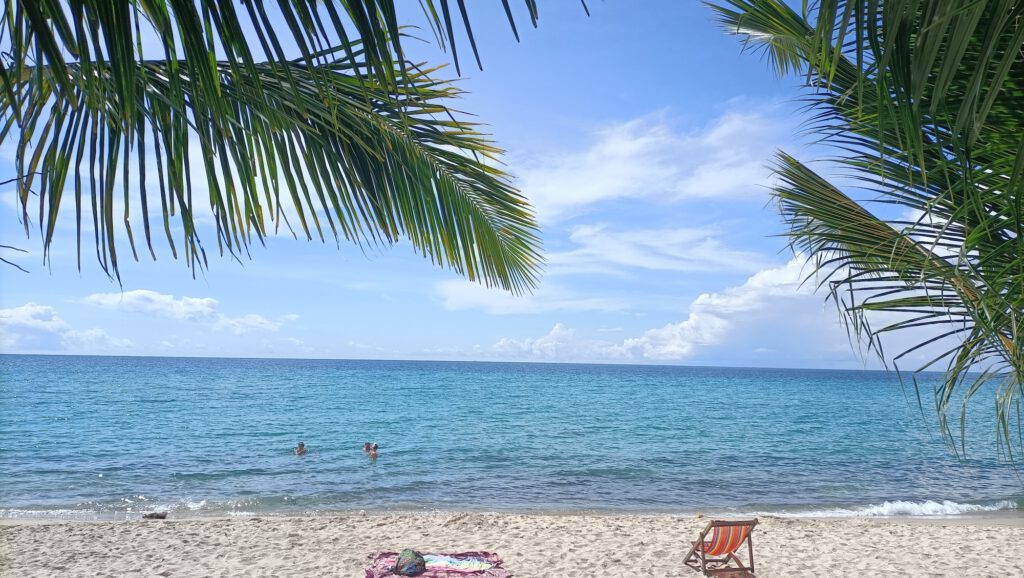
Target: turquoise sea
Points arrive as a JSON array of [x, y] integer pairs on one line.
[[110, 437]]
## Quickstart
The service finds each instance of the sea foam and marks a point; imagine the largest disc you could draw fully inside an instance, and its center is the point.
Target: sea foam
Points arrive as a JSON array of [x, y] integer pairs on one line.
[[901, 508]]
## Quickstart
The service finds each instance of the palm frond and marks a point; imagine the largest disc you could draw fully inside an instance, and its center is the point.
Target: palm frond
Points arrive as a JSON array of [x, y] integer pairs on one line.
[[339, 131], [923, 101]]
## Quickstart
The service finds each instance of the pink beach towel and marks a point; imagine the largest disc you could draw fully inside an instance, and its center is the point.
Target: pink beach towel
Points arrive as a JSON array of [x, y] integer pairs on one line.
[[443, 565]]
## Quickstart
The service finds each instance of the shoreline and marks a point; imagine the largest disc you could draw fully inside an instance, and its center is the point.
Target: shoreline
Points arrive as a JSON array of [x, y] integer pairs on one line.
[[532, 545], [1012, 517], [1000, 518], [1006, 509]]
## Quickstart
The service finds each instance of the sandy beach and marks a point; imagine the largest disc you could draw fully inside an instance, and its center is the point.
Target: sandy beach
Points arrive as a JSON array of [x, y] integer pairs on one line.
[[532, 545]]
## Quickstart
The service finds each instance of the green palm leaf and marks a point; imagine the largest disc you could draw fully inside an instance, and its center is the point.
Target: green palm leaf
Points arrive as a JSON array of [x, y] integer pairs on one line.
[[923, 100], [339, 132]]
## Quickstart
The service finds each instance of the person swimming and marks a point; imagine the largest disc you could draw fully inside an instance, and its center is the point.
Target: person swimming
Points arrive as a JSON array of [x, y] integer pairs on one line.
[[300, 449], [373, 452]]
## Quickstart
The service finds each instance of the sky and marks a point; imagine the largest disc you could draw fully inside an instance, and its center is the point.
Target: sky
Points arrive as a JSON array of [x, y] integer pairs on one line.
[[640, 135]]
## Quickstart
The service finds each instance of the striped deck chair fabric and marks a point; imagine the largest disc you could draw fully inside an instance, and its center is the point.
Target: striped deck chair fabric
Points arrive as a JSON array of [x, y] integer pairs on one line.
[[716, 554]]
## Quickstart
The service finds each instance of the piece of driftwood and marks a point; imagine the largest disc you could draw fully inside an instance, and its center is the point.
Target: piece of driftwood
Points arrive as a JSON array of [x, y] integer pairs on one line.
[[155, 516]]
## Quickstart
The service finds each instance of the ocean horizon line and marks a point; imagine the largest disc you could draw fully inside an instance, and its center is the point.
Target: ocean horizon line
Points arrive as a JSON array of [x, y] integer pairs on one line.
[[888, 371]]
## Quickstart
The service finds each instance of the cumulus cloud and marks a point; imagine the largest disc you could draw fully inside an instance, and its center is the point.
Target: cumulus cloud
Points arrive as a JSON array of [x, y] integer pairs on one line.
[[560, 344], [34, 327], [33, 316], [771, 310], [646, 158], [713, 316], [772, 319], [601, 249], [203, 309], [151, 302]]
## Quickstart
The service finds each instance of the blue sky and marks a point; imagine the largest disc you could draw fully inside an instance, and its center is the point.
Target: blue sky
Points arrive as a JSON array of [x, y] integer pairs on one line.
[[641, 137]]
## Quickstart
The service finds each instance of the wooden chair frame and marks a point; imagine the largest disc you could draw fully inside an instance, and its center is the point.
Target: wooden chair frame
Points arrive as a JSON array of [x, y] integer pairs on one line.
[[698, 560]]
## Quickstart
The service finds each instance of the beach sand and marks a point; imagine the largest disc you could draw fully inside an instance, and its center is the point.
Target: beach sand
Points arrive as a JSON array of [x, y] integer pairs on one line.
[[533, 545]]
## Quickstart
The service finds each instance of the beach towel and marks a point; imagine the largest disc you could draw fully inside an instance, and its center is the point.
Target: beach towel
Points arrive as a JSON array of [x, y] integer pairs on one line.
[[443, 565], [453, 564]]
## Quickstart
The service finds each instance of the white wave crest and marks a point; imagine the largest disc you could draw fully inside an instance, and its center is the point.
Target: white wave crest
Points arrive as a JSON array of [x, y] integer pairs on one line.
[[55, 514], [901, 508]]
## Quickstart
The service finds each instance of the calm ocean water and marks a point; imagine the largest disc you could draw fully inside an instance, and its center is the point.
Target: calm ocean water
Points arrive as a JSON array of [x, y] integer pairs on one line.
[[100, 437]]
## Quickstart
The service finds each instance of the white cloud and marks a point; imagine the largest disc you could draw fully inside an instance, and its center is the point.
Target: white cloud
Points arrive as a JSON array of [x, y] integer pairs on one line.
[[768, 303], [560, 344], [33, 316], [772, 319], [459, 295], [245, 323], [733, 155], [647, 159], [714, 316], [772, 314], [33, 327], [94, 338], [151, 302], [602, 250], [202, 309], [678, 341]]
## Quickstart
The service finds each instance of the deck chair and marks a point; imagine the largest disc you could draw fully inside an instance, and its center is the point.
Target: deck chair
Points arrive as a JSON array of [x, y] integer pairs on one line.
[[713, 555]]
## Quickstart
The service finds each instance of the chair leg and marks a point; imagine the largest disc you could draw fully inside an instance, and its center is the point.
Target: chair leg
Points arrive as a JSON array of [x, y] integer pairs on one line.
[[750, 552]]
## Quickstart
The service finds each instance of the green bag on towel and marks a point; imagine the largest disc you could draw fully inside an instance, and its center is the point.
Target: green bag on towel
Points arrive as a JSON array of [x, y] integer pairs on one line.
[[410, 563]]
